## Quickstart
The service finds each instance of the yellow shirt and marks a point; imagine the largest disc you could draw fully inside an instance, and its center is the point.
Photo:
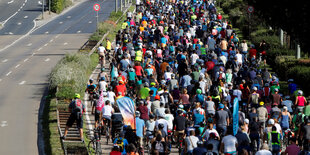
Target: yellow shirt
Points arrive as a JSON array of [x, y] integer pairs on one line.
[[109, 46], [138, 56]]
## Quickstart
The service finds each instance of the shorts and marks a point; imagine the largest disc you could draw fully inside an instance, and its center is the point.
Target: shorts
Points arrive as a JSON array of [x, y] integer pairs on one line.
[[97, 116], [72, 119]]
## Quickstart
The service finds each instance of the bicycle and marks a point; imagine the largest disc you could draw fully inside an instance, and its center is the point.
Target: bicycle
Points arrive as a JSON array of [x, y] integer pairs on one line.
[[94, 144], [180, 143], [106, 123]]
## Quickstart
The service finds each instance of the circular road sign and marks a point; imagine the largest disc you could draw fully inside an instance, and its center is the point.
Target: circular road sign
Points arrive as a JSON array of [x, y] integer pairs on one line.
[[250, 9], [96, 7]]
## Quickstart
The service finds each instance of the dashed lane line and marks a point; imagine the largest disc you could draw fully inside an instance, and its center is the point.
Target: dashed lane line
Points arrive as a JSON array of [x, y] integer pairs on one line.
[[23, 82], [7, 74], [17, 66], [5, 60]]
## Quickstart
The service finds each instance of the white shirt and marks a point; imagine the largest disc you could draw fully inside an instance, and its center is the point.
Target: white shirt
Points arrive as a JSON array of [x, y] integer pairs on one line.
[[194, 58], [101, 49], [263, 152], [191, 141], [111, 96], [107, 110], [239, 58], [164, 122], [208, 132], [103, 86], [167, 75], [169, 118], [229, 142]]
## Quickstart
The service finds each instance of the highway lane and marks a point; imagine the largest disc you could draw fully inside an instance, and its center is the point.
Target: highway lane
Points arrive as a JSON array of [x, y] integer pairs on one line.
[[9, 8], [24, 69]]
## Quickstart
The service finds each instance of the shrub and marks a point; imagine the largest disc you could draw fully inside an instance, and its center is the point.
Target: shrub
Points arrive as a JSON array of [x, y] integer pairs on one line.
[[301, 75], [58, 6]]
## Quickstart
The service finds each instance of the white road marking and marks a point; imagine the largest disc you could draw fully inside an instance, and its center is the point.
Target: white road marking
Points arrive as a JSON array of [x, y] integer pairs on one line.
[[46, 32], [4, 123], [39, 2], [3, 23], [23, 82], [5, 60], [0, 80], [51, 40], [10, 33], [48, 59], [69, 17], [10, 1], [19, 23], [26, 60], [57, 36], [46, 44], [39, 49], [65, 43], [7, 74], [90, 22], [60, 22], [26, 17], [33, 54], [29, 44], [17, 65], [78, 32]]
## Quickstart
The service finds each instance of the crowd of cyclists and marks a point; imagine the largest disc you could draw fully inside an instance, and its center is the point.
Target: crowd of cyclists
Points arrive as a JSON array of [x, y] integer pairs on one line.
[[183, 65]]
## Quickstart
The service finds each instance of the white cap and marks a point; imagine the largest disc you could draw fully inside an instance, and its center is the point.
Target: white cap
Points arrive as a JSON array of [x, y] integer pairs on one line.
[[246, 121], [271, 122]]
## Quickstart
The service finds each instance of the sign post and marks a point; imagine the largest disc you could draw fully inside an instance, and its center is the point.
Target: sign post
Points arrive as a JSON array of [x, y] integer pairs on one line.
[[250, 10], [97, 8]]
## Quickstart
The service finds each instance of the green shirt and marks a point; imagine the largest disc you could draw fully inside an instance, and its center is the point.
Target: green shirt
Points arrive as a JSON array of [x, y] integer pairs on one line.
[[144, 92], [132, 76], [272, 88], [203, 51], [196, 76], [307, 110]]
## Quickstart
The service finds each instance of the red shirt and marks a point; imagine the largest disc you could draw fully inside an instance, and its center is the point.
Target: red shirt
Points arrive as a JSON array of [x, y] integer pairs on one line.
[[120, 88], [210, 65], [115, 153], [252, 52], [138, 70]]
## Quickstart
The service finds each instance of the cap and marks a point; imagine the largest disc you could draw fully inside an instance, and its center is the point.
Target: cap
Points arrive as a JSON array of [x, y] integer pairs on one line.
[[299, 92], [221, 106], [157, 97], [246, 121], [271, 122]]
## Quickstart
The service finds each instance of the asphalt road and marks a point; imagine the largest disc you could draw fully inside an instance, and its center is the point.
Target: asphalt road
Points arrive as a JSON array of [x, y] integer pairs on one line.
[[25, 66]]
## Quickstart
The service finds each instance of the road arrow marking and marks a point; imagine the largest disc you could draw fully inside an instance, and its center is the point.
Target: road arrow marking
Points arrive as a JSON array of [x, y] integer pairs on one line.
[[23, 82], [8, 73], [4, 123]]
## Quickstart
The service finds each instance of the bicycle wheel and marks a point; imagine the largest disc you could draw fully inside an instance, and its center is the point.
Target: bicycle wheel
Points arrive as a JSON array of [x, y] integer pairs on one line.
[[91, 146], [107, 134], [98, 148]]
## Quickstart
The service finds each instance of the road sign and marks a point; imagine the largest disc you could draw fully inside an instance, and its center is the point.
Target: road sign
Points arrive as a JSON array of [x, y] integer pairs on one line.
[[96, 7], [250, 9]]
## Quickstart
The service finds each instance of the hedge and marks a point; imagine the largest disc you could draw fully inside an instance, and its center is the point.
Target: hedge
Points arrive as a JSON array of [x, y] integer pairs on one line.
[[58, 6]]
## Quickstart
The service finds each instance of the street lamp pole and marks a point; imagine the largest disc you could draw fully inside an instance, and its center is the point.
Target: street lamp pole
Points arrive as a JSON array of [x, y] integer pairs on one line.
[[42, 9], [49, 6]]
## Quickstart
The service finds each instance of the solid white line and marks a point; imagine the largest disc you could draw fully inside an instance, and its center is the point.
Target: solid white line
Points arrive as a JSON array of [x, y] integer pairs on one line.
[[39, 49], [17, 65], [48, 59], [29, 44], [87, 116], [5, 60], [26, 60], [10, 1], [23, 82], [8, 73]]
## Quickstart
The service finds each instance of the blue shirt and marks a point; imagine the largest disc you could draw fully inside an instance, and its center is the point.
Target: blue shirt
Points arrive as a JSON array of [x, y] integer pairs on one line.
[[139, 126], [155, 90], [163, 40], [125, 144]]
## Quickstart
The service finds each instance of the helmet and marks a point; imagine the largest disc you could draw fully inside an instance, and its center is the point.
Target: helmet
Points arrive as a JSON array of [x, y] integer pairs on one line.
[[76, 95], [157, 97], [91, 80], [300, 92], [102, 69], [137, 113], [255, 88], [160, 126], [261, 103], [181, 106], [198, 91], [152, 83], [146, 84]]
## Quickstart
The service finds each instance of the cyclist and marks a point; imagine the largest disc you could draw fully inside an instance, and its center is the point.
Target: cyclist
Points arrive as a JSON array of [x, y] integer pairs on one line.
[[140, 128], [107, 112], [121, 142], [91, 90], [101, 52], [76, 107]]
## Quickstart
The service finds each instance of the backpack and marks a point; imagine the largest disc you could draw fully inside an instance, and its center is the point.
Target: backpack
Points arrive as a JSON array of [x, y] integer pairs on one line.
[[215, 90], [159, 146], [91, 88], [254, 98], [120, 143], [165, 97], [78, 109], [100, 103], [298, 119]]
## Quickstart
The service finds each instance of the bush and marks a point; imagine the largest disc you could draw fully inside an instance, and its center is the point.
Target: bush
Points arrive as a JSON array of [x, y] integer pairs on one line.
[[70, 75], [58, 6], [301, 75]]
